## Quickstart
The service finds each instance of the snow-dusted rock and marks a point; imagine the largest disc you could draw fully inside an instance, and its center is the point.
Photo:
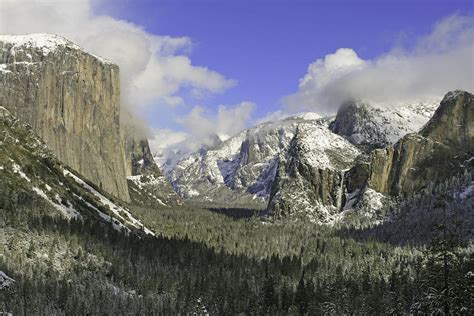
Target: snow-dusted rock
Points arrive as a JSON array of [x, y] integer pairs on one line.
[[310, 178], [380, 126], [71, 98], [239, 170]]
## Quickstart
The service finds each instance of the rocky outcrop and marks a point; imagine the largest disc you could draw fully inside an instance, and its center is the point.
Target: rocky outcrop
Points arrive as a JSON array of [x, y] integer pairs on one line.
[[376, 126], [147, 185], [442, 148], [310, 180], [140, 157], [72, 100], [453, 122], [239, 171]]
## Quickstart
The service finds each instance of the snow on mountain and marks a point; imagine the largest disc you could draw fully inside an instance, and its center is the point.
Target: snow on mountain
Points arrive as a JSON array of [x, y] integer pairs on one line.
[[43, 42], [310, 177], [242, 168], [28, 168], [5, 281], [379, 126], [239, 170]]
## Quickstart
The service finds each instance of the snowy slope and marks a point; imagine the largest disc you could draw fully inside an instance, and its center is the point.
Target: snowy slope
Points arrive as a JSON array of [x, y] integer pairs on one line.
[[377, 126], [29, 169], [239, 170], [310, 177]]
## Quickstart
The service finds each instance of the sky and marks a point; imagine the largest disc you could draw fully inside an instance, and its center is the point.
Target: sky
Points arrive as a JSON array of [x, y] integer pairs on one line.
[[195, 68]]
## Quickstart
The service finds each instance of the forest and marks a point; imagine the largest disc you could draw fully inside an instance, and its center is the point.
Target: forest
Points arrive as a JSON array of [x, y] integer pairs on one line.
[[203, 262]]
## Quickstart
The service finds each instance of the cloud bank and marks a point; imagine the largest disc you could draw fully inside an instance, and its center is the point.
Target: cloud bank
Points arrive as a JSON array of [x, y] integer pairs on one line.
[[155, 70], [437, 63], [203, 128]]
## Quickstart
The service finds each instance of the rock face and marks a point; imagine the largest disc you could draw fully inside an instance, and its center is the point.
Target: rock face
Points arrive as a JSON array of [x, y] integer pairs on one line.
[[453, 122], [239, 171], [147, 185], [410, 165], [310, 179], [440, 150], [140, 157], [72, 100], [377, 126], [323, 175]]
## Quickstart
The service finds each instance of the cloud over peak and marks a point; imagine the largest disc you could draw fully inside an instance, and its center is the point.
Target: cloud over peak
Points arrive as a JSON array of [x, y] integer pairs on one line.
[[438, 62]]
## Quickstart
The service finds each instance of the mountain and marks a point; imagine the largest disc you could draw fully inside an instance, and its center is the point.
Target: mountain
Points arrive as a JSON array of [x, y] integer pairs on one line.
[[413, 162], [146, 184], [34, 179], [310, 176], [238, 171], [355, 180], [379, 126], [241, 170], [71, 99]]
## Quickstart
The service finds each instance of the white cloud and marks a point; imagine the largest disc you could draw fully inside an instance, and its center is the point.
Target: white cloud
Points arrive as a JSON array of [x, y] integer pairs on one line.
[[154, 69], [205, 128], [273, 116], [202, 128], [165, 138], [439, 62]]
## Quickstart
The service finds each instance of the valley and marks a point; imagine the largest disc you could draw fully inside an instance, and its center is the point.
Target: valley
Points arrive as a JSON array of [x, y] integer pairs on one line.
[[358, 213]]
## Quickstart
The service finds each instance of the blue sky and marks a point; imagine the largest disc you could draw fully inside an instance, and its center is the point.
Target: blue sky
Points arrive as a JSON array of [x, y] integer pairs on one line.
[[266, 46], [193, 69]]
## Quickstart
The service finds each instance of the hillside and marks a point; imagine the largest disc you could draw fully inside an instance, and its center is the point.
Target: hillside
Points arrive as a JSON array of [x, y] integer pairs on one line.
[[34, 179]]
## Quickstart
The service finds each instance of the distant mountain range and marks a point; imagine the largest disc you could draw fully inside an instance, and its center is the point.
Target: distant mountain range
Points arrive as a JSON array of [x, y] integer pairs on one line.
[[309, 164]]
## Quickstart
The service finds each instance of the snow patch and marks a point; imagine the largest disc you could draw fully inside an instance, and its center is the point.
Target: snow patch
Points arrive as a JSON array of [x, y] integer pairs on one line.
[[3, 68], [5, 280], [17, 169], [115, 209], [468, 191], [318, 145], [67, 211], [309, 116]]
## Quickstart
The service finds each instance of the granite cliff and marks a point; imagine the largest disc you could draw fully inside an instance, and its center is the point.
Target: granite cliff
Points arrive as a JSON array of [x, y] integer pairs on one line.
[[443, 147], [311, 175], [72, 101], [330, 170], [147, 185]]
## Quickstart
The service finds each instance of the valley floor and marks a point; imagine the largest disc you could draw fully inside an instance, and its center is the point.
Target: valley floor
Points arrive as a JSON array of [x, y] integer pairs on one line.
[[204, 262]]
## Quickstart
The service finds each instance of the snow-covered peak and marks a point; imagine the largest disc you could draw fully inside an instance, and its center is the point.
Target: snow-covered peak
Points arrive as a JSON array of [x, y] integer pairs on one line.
[[44, 42], [323, 149], [377, 125]]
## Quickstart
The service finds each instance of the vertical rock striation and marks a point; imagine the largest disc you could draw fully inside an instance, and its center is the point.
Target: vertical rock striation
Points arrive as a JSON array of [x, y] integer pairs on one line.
[[72, 100], [444, 146], [310, 179]]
